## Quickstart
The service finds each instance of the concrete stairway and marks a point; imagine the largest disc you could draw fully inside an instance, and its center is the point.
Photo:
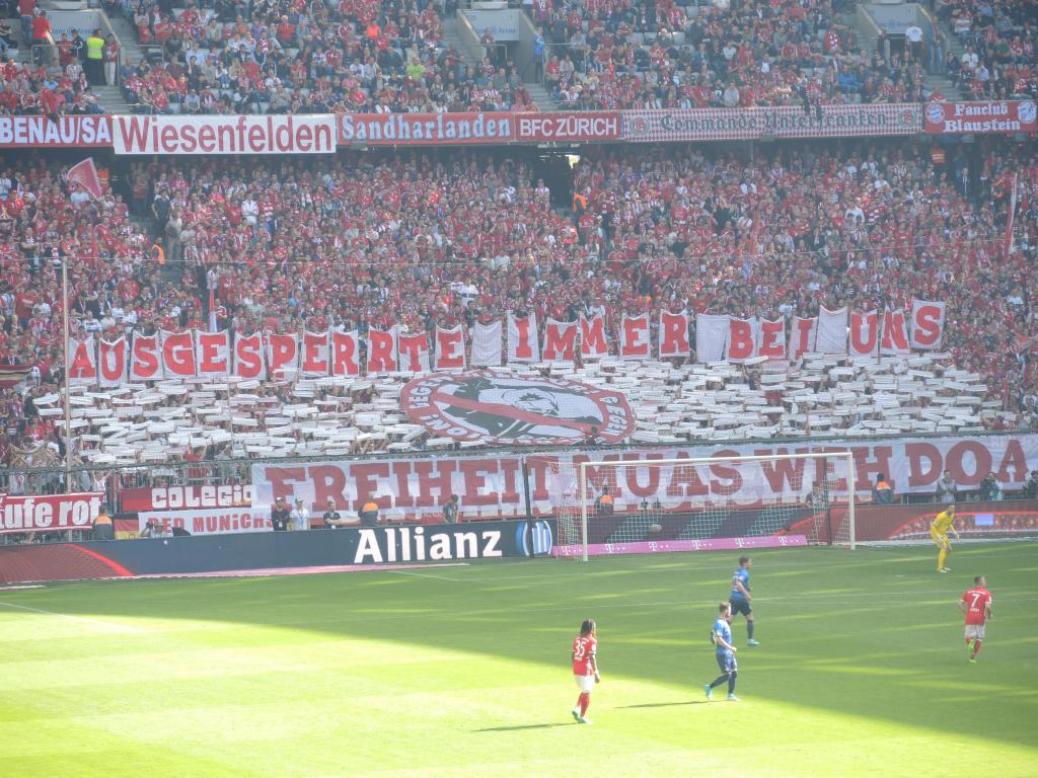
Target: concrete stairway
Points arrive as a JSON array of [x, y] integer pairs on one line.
[[541, 97]]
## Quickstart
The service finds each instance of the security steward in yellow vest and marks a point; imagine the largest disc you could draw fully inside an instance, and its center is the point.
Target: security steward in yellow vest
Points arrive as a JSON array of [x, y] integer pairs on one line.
[[95, 71]]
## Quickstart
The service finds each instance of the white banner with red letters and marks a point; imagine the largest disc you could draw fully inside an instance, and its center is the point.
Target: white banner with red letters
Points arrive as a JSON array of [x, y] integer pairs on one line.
[[50, 512], [211, 521], [382, 357], [786, 121], [560, 340], [864, 334], [593, 341], [172, 355], [894, 337], [673, 335], [450, 348], [422, 486], [218, 134], [803, 335], [414, 351], [523, 345], [634, 337], [927, 324]]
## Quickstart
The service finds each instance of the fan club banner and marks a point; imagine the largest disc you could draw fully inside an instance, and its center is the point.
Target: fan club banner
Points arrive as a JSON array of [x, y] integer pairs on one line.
[[834, 121], [213, 521], [49, 513], [79, 132], [422, 486], [242, 134], [179, 498], [196, 354], [982, 117], [323, 133]]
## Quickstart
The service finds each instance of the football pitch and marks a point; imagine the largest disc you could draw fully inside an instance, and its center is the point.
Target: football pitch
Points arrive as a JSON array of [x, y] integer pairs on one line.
[[464, 671]]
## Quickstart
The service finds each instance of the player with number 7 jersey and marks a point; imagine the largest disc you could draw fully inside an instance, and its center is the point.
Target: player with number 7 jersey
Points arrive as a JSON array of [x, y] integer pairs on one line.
[[585, 667], [976, 605]]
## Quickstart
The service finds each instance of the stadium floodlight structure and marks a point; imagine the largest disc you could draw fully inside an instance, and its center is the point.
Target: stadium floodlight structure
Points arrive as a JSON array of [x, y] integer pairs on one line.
[[621, 505]]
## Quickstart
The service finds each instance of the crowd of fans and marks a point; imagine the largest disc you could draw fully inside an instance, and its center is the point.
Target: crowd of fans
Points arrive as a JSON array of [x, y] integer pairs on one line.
[[999, 37], [284, 57], [35, 89], [456, 237], [628, 54]]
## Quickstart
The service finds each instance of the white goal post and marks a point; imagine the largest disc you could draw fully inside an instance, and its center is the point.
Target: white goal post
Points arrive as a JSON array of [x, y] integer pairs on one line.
[[638, 505]]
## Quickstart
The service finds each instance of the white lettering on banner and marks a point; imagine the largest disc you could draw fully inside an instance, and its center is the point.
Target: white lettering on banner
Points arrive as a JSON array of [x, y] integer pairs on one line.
[[167, 497], [421, 486], [403, 128], [215, 521], [48, 513], [69, 131], [411, 544], [694, 124], [243, 134], [575, 126]]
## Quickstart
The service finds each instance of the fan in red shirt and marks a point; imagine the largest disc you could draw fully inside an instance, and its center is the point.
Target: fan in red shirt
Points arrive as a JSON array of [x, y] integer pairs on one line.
[[585, 667], [976, 604]]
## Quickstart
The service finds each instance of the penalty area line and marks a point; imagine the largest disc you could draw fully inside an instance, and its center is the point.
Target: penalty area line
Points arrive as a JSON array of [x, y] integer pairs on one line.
[[109, 624]]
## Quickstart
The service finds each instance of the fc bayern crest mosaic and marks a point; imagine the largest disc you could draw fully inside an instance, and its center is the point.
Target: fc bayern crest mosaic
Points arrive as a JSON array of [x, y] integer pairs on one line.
[[509, 410]]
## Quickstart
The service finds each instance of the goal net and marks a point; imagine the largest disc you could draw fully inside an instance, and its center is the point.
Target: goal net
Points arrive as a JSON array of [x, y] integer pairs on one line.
[[636, 506]]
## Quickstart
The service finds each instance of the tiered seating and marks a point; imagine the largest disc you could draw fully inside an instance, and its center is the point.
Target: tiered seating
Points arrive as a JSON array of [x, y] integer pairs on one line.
[[368, 57], [632, 54], [1000, 60], [31, 89]]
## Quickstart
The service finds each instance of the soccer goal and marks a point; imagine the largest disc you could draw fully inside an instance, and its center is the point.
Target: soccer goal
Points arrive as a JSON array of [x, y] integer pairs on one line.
[[642, 505]]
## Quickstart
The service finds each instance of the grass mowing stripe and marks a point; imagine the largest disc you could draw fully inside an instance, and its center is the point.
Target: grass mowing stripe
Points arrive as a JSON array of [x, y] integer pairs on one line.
[[469, 676]]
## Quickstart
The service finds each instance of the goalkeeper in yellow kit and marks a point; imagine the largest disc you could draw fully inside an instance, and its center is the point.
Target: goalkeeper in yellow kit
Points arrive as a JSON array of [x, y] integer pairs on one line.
[[939, 528]]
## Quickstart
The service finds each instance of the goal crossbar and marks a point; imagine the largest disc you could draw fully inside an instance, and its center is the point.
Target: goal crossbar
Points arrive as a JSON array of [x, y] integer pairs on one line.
[[583, 467]]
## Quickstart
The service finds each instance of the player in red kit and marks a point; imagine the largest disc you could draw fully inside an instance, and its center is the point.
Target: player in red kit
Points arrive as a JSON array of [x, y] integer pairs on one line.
[[976, 604], [585, 667]]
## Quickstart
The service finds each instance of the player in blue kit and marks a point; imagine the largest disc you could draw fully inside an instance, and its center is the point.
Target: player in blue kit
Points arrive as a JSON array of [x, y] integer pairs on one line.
[[740, 598], [724, 652]]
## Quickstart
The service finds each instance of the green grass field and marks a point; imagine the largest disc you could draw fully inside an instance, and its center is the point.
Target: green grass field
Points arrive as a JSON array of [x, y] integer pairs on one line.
[[465, 671]]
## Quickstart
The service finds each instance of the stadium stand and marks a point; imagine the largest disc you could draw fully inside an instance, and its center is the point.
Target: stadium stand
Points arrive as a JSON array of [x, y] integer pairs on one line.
[[460, 237], [998, 38], [679, 55], [366, 57]]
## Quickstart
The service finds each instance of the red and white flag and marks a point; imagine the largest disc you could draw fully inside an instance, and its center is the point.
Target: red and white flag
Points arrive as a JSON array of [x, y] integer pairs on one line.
[[84, 174]]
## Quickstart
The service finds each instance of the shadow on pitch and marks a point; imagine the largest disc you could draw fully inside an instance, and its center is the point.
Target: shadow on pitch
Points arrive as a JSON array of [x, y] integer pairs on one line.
[[527, 726], [663, 704]]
